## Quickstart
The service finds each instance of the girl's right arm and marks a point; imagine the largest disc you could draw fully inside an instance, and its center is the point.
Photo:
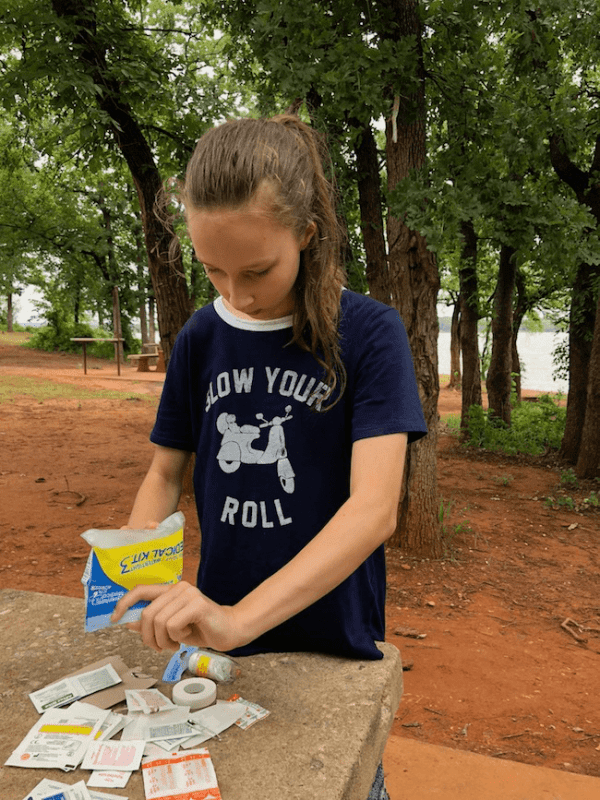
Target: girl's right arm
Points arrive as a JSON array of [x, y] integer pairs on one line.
[[159, 493]]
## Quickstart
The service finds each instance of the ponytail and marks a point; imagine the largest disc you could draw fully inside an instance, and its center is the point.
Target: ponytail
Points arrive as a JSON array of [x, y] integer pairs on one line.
[[321, 276]]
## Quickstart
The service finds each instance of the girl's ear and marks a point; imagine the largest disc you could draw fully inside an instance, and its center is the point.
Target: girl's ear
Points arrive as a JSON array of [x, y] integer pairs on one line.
[[310, 231]]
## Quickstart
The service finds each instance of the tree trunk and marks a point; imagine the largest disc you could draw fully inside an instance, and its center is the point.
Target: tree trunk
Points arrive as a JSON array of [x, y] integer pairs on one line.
[[117, 328], [515, 366], [371, 216], [413, 286], [520, 306], [168, 279], [455, 375], [9, 313], [581, 326], [469, 318], [499, 374], [151, 320], [588, 460], [582, 315], [77, 304], [142, 305]]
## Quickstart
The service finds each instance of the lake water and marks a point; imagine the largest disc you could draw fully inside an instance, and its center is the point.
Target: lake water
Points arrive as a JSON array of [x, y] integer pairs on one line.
[[535, 352]]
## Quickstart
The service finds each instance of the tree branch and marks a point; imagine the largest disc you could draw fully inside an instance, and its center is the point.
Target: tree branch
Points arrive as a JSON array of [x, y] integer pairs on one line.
[[178, 140], [566, 170], [595, 168]]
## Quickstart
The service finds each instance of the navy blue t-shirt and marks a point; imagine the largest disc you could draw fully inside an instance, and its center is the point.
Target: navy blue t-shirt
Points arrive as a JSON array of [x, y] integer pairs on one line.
[[271, 469]]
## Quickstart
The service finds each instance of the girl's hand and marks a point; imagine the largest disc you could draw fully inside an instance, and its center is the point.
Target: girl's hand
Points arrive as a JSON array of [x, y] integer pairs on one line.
[[181, 613]]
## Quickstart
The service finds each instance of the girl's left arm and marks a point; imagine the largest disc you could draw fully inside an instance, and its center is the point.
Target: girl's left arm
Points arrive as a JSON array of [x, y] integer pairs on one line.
[[366, 520], [182, 613]]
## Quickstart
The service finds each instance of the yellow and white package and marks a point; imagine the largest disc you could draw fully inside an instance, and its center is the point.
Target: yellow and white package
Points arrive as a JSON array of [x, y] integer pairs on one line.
[[123, 559]]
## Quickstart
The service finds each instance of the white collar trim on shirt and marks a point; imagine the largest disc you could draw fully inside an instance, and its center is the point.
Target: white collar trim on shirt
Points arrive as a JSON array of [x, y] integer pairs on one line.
[[250, 324]]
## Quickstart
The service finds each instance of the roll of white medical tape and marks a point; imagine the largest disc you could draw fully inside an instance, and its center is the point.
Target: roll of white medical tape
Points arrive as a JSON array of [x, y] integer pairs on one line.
[[196, 693]]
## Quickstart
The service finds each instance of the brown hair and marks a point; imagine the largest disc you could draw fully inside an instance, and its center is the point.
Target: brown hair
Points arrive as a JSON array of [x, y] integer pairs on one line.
[[283, 160]]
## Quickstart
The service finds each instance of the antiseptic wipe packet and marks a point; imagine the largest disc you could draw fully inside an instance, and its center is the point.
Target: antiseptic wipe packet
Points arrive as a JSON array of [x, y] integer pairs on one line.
[[122, 559]]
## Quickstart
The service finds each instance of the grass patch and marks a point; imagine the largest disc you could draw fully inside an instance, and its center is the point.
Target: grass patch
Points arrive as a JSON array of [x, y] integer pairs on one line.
[[41, 390], [15, 338], [451, 424]]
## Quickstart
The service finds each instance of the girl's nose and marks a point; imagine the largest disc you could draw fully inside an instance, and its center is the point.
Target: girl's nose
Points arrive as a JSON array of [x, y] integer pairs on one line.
[[239, 298]]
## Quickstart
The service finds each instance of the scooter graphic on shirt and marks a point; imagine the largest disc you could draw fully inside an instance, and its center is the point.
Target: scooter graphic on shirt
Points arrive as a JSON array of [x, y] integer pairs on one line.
[[236, 446]]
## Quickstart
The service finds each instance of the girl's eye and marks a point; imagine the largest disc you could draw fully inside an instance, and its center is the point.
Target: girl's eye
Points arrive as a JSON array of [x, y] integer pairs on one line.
[[252, 276]]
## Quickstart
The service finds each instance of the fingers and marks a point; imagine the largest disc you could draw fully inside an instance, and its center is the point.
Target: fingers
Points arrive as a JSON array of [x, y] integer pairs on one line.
[[142, 592], [166, 622], [181, 613], [169, 619]]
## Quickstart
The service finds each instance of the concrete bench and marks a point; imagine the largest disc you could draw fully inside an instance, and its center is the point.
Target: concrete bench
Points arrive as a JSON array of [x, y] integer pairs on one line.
[[143, 360], [324, 737], [146, 360]]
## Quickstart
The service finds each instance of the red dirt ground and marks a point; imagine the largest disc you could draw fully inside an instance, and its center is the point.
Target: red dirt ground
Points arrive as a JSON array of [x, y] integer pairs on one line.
[[493, 664]]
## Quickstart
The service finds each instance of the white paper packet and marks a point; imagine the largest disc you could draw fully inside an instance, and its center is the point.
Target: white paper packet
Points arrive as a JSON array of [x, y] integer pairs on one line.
[[65, 691], [59, 739], [212, 721], [47, 788], [111, 725], [163, 725]]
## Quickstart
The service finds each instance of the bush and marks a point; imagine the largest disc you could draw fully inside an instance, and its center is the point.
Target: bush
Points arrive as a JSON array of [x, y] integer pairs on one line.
[[16, 327], [535, 428], [53, 339], [58, 336]]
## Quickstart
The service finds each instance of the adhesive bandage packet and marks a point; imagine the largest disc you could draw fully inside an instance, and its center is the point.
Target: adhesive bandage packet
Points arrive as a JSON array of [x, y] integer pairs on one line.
[[180, 777], [148, 701], [122, 559], [252, 712]]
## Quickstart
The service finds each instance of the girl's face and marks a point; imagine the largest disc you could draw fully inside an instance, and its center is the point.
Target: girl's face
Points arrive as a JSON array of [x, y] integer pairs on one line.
[[250, 258]]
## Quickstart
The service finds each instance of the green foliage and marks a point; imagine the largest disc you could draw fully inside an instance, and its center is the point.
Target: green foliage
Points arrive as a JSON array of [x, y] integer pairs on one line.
[[535, 428], [451, 424], [498, 84], [565, 502], [593, 501], [569, 479], [561, 502], [69, 207], [560, 360], [450, 532], [56, 337]]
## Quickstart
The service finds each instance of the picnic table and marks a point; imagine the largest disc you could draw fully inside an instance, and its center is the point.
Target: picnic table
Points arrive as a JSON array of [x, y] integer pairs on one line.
[[324, 736], [83, 340]]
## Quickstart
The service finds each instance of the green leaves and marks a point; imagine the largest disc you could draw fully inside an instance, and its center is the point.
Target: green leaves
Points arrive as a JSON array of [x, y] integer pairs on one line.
[[500, 80]]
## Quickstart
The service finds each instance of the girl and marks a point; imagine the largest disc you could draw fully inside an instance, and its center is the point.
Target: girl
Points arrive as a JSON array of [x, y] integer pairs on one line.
[[298, 398]]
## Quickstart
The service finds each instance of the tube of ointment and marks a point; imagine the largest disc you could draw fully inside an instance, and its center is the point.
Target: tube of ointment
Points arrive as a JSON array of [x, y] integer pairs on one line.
[[122, 559]]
